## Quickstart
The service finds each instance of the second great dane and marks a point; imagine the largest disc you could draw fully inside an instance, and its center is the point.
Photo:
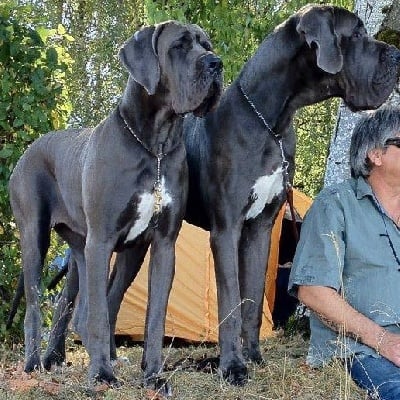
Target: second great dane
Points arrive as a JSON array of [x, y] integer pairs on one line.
[[121, 185], [241, 156]]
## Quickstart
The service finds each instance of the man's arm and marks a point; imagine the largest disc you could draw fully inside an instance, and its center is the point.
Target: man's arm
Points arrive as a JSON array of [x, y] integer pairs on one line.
[[339, 315]]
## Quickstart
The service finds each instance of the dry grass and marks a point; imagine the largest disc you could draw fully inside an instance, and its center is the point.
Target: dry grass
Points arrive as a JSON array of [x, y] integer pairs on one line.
[[284, 376]]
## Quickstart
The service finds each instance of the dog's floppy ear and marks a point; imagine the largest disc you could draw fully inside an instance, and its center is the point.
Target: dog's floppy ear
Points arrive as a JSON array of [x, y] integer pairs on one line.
[[139, 56], [318, 27]]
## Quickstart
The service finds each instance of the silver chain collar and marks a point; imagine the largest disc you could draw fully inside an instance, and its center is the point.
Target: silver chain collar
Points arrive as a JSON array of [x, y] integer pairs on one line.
[[157, 187], [277, 138]]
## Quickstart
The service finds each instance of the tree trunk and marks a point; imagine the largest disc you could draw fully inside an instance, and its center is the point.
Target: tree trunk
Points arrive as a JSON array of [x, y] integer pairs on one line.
[[379, 16]]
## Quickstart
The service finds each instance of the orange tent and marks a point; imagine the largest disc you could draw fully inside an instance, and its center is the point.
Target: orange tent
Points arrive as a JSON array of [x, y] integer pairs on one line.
[[192, 307]]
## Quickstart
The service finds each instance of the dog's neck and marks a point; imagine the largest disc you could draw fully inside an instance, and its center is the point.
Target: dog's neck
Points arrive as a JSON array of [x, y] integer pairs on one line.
[[153, 120], [256, 81]]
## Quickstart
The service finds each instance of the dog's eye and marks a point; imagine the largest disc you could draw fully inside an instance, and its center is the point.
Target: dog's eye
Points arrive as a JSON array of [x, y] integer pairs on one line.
[[178, 46], [206, 46], [183, 44], [357, 35]]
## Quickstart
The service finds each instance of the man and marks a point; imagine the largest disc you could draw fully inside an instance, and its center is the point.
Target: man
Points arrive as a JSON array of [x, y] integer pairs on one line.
[[347, 264]]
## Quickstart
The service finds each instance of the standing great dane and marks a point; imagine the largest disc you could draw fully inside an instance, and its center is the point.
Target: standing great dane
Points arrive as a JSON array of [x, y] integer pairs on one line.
[[121, 185], [241, 156]]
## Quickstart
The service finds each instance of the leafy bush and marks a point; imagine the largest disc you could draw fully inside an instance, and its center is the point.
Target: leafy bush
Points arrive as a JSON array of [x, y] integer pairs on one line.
[[33, 100]]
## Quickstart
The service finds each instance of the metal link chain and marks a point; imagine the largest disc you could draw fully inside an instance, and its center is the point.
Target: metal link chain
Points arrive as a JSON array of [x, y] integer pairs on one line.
[[278, 138], [157, 187]]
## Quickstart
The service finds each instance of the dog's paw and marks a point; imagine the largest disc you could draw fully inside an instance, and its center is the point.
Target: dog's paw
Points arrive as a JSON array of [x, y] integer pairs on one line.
[[120, 361], [236, 374], [53, 358], [102, 374], [253, 355], [161, 388], [33, 364]]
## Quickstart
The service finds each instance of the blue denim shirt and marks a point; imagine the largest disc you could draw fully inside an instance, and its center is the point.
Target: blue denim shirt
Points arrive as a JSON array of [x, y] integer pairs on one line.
[[345, 245]]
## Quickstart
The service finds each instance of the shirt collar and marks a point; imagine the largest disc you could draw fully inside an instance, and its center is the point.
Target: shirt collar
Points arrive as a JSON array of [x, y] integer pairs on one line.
[[363, 188]]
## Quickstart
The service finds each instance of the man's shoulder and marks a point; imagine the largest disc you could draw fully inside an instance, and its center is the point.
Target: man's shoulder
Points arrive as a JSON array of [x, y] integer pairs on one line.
[[337, 191]]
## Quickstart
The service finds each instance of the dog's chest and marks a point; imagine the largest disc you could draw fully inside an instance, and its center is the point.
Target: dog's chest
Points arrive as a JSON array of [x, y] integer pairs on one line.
[[263, 192], [149, 203]]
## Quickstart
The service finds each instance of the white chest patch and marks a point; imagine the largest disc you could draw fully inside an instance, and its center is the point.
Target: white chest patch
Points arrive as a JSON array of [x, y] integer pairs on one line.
[[145, 210], [264, 190]]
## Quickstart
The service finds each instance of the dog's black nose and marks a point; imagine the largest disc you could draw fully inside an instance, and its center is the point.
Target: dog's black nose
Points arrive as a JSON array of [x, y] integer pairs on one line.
[[395, 54], [398, 56], [211, 62]]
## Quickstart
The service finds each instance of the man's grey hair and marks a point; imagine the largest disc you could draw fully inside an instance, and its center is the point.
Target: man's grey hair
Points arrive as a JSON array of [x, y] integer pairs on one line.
[[370, 133]]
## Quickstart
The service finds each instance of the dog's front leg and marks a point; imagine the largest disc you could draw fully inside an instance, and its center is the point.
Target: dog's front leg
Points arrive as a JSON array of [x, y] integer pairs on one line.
[[253, 258], [161, 274], [224, 246], [97, 255]]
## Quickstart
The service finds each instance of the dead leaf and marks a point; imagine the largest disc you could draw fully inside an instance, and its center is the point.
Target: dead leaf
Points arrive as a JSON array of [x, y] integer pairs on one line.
[[22, 385], [52, 388], [154, 395], [101, 387]]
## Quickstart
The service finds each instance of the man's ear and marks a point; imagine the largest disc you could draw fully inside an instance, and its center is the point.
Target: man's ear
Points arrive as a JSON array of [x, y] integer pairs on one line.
[[375, 156]]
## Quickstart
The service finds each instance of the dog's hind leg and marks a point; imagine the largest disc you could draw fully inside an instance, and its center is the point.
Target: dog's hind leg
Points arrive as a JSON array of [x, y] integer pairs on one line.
[[35, 240], [33, 199], [20, 292], [55, 352]]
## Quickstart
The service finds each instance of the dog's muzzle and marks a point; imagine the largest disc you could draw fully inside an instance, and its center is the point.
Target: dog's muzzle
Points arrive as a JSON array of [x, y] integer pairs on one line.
[[394, 54], [210, 63], [210, 66]]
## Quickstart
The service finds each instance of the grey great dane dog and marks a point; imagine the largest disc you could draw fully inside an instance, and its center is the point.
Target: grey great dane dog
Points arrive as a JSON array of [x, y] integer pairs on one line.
[[121, 185], [241, 156]]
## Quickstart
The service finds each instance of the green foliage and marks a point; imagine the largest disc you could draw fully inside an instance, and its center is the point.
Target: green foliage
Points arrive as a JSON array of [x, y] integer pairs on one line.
[[314, 126], [389, 36], [235, 27], [96, 79], [33, 100]]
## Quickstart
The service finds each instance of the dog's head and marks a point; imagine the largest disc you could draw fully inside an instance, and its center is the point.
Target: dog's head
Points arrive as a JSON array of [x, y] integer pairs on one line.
[[177, 61], [365, 70]]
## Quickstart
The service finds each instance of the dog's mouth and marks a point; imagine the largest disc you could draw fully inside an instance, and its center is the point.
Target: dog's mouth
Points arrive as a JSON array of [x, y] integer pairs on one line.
[[372, 99], [211, 100], [356, 105], [374, 93]]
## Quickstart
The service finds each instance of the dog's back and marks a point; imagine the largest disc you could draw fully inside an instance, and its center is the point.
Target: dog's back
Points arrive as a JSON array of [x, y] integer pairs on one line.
[[34, 190]]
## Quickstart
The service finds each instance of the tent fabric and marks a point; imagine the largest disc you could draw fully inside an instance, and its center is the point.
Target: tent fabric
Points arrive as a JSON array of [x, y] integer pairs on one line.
[[192, 307]]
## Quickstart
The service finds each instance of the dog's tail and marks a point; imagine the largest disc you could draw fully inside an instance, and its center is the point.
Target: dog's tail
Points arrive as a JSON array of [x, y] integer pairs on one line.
[[20, 292], [54, 282], [17, 299]]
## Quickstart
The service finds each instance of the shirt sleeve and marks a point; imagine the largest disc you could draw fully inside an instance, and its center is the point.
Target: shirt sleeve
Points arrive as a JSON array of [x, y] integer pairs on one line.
[[319, 256]]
